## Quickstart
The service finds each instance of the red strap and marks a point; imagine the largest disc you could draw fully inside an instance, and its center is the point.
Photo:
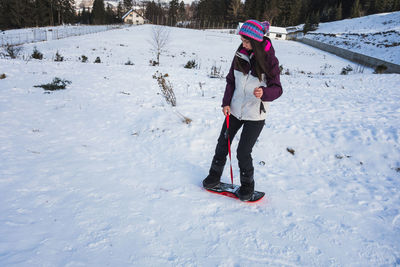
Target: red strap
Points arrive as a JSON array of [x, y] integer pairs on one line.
[[229, 147]]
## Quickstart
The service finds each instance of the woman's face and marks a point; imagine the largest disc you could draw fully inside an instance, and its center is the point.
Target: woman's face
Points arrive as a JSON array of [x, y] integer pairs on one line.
[[246, 44]]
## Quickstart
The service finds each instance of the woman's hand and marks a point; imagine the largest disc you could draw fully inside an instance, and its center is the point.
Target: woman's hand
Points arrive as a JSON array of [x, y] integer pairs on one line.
[[226, 110], [258, 92]]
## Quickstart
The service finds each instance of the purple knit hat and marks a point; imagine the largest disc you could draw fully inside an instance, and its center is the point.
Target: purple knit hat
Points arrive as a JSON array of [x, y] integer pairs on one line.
[[254, 29]]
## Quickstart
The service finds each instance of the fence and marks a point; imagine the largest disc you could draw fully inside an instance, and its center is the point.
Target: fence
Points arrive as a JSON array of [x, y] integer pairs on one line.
[[195, 24], [18, 37], [59, 33], [353, 56], [35, 35]]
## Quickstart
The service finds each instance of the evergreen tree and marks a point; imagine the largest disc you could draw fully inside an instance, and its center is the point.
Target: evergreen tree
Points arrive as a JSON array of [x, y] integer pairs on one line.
[[347, 7], [173, 12], [390, 5], [85, 16], [396, 6], [328, 13], [16, 9], [42, 13], [98, 12], [314, 20], [271, 12], [154, 12], [339, 12], [295, 15], [304, 11], [356, 9], [311, 22], [5, 17], [182, 11], [365, 4], [203, 11], [250, 9], [66, 11], [234, 10], [120, 12], [111, 16], [127, 4]]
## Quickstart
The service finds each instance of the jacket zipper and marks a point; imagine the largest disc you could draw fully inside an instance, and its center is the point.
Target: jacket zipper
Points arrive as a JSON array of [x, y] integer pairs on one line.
[[244, 95]]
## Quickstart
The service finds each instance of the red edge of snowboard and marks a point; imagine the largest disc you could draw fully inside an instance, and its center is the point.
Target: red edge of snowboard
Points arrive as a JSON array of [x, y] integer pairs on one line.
[[234, 196]]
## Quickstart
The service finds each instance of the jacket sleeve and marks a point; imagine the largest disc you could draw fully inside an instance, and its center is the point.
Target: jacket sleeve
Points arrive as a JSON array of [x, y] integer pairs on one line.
[[273, 90], [230, 87]]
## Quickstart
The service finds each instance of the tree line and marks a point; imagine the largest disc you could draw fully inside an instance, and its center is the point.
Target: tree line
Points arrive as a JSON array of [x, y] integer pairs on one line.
[[278, 12], [16, 14], [29, 13], [290, 12], [38, 13]]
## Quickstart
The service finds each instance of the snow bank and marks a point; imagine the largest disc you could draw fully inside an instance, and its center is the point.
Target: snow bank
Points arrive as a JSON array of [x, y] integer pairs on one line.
[[375, 35]]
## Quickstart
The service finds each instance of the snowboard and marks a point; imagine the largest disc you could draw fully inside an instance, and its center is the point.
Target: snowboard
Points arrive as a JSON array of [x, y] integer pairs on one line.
[[231, 191]]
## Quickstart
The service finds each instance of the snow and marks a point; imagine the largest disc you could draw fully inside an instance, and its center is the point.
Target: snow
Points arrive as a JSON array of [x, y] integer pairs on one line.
[[375, 35], [106, 173]]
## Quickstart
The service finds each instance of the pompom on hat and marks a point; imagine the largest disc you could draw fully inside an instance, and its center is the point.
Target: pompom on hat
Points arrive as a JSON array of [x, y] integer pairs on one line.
[[254, 29]]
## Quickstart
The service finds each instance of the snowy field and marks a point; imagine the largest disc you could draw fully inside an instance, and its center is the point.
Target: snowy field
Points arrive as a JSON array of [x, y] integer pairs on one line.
[[375, 35], [105, 173]]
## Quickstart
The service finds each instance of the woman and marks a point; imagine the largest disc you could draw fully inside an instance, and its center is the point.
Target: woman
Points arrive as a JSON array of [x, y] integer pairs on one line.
[[252, 82]]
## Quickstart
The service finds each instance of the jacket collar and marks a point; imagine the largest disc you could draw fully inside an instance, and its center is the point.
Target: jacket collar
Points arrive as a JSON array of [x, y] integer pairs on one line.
[[244, 54]]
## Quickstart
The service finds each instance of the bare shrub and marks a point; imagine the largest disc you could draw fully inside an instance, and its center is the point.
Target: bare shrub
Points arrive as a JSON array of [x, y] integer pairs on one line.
[[166, 88], [380, 69], [56, 84], [159, 40], [11, 51], [129, 63], [216, 72], [346, 70], [183, 118], [201, 88], [58, 57], [191, 64], [83, 59], [36, 54]]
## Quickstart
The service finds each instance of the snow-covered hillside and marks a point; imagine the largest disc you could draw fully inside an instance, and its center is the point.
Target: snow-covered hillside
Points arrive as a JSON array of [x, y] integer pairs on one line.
[[105, 173], [375, 35]]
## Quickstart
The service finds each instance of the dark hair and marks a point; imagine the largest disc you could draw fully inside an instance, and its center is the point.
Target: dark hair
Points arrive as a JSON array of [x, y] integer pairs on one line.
[[259, 54]]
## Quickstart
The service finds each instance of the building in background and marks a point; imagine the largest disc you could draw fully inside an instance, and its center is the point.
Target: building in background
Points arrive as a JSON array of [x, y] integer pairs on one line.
[[278, 33], [133, 17]]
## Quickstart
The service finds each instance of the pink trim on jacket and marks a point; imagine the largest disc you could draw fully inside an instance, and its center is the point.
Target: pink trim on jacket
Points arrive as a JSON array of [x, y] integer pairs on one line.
[[268, 46]]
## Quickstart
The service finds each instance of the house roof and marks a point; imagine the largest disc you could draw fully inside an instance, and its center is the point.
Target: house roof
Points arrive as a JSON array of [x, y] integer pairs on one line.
[[129, 12], [277, 30]]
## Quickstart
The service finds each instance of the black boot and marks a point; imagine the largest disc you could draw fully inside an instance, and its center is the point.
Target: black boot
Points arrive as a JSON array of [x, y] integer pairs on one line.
[[214, 176], [246, 189]]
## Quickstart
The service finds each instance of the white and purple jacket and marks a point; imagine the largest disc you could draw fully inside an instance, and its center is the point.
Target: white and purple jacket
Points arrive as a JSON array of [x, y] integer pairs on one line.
[[240, 86]]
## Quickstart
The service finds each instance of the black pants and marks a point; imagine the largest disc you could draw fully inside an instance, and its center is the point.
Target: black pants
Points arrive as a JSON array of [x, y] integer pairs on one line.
[[251, 131]]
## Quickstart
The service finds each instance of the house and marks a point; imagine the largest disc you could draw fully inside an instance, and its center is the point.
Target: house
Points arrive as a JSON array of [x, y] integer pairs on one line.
[[274, 32], [133, 17], [278, 33]]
